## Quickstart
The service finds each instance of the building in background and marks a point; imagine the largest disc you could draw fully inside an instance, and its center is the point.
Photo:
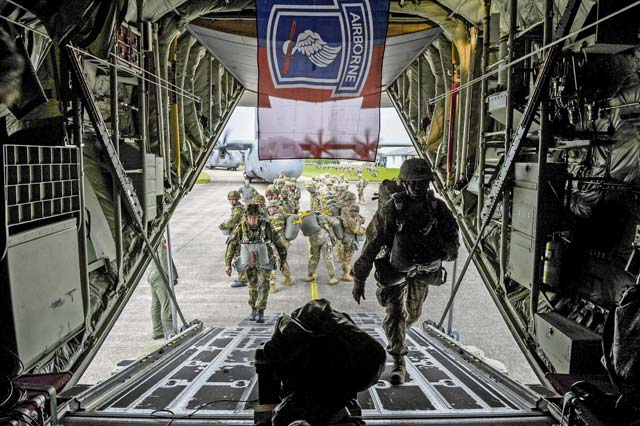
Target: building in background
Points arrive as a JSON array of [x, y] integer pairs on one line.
[[394, 158]]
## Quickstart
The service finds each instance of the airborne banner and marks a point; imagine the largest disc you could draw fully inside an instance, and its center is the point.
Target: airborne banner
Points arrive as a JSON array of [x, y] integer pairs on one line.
[[319, 78]]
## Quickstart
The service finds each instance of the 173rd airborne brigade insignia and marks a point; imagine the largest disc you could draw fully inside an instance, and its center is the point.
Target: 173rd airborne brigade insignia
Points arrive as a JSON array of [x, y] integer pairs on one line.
[[319, 46]]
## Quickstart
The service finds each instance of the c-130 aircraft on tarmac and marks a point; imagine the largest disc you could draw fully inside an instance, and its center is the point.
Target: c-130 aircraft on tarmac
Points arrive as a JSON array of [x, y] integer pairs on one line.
[[229, 155]]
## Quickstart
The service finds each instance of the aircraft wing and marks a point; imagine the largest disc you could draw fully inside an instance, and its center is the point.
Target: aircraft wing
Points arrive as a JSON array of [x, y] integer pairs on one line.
[[240, 145]]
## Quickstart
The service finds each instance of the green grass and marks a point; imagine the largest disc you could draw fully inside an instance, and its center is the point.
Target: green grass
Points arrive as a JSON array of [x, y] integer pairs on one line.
[[203, 177], [311, 170]]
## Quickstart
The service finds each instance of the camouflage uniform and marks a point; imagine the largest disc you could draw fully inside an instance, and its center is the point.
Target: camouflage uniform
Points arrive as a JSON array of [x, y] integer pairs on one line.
[[161, 316], [418, 233], [352, 227], [286, 204], [316, 200], [278, 222], [257, 278], [259, 200], [236, 215], [360, 186], [295, 194], [320, 243], [227, 226]]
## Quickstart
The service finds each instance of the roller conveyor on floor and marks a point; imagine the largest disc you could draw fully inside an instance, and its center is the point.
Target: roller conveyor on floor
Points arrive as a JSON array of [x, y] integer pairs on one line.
[[207, 376]]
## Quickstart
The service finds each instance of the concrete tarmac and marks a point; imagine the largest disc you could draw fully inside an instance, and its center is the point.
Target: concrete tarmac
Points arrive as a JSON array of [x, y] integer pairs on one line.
[[204, 290]]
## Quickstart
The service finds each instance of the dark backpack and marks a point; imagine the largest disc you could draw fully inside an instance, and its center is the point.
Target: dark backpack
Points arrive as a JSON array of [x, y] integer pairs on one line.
[[621, 342]]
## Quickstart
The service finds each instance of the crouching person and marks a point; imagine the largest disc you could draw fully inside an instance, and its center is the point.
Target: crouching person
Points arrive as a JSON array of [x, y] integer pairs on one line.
[[254, 237]]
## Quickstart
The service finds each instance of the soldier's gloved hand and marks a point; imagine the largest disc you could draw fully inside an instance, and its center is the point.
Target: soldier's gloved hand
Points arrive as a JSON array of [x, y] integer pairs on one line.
[[358, 290], [283, 264], [228, 270]]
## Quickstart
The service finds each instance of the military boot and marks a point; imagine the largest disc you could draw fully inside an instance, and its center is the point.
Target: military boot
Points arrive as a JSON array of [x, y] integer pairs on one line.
[[398, 372], [287, 280], [346, 274], [260, 319], [310, 278], [272, 287], [333, 280], [254, 314]]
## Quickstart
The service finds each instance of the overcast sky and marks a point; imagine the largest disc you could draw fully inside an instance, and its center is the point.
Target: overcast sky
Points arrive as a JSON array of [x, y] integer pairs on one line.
[[242, 126]]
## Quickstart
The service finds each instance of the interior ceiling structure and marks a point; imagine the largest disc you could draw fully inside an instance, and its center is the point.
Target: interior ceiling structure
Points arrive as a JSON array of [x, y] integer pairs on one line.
[[238, 52]]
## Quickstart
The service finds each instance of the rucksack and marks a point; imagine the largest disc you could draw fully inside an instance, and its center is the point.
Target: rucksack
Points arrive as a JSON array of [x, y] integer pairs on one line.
[[621, 342]]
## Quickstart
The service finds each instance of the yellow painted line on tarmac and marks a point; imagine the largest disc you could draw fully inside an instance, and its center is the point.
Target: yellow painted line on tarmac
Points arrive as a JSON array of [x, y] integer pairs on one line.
[[314, 290]]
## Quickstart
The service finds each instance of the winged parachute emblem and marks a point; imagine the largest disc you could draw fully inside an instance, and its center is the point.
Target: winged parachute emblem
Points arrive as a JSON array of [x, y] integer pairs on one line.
[[317, 50]]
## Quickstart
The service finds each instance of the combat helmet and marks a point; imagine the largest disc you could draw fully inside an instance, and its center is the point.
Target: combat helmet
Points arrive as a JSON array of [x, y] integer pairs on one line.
[[415, 169], [253, 210], [257, 198], [234, 194], [348, 195], [354, 208]]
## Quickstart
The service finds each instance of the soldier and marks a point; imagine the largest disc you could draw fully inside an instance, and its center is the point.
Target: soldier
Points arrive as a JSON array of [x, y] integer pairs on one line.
[[281, 175], [286, 204], [255, 235], [315, 199], [279, 183], [417, 232], [161, 316], [278, 222], [295, 194], [321, 240], [352, 223], [271, 194], [328, 194], [237, 210], [247, 191], [260, 201], [360, 186]]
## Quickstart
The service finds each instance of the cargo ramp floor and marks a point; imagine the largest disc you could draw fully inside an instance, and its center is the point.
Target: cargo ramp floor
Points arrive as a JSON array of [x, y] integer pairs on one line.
[[207, 376]]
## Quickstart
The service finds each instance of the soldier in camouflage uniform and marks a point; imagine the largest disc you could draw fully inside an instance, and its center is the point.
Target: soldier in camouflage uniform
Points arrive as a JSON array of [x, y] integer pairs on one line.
[[279, 183], [415, 233], [361, 185], [352, 223], [161, 315], [254, 228], [321, 243], [339, 209], [278, 222], [237, 211], [270, 195], [261, 202], [295, 194], [286, 204], [315, 199]]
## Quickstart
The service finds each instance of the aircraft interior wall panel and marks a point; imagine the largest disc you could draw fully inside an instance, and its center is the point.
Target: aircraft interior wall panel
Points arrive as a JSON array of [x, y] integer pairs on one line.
[[44, 288]]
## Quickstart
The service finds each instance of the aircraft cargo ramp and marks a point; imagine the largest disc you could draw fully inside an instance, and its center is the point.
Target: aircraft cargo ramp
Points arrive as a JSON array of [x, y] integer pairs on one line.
[[207, 376]]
